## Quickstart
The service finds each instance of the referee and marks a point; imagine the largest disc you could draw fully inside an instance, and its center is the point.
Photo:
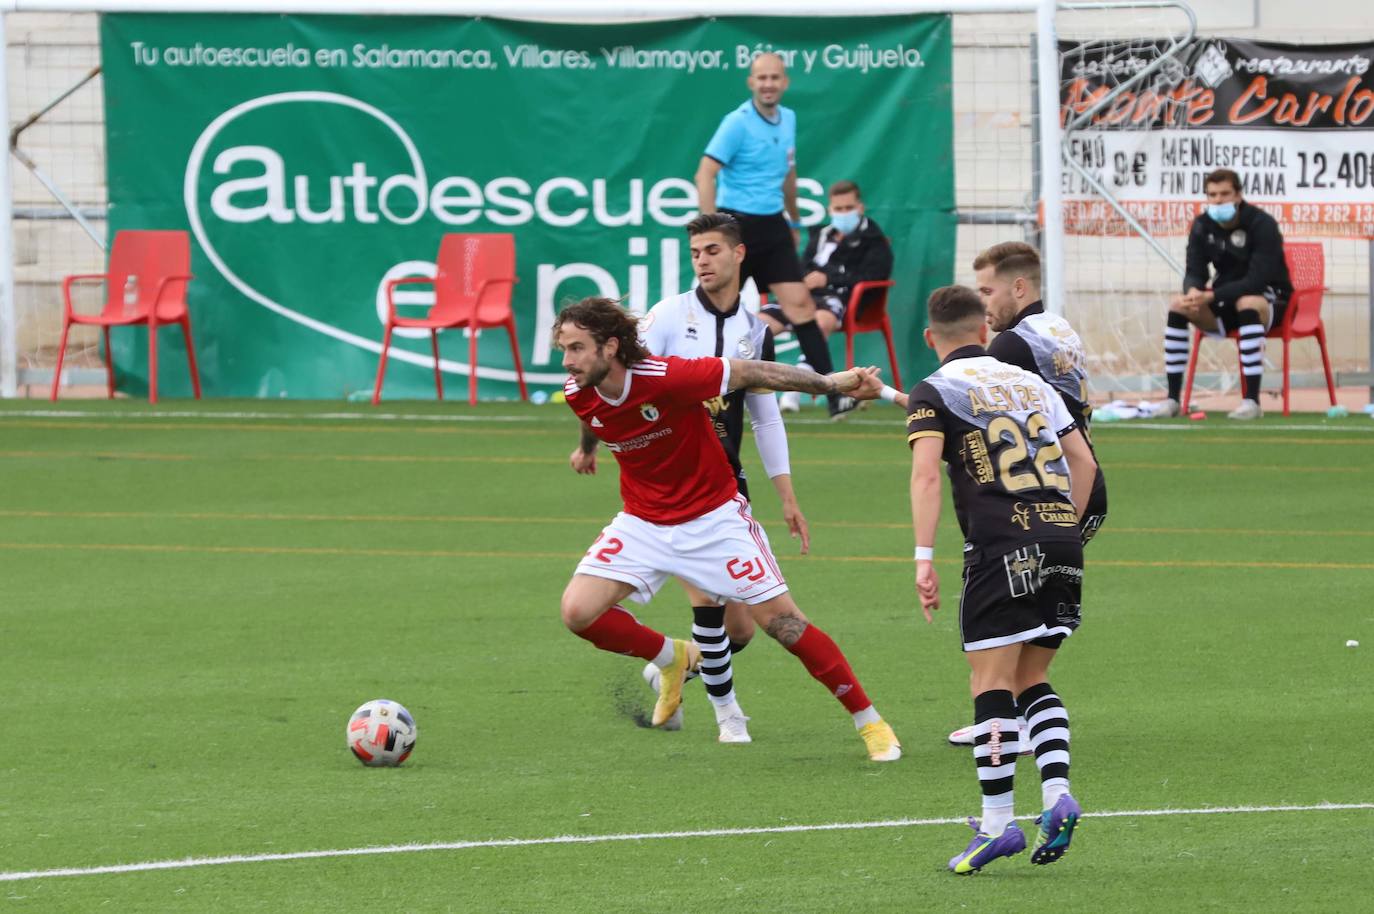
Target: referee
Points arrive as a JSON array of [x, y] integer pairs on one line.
[[750, 171]]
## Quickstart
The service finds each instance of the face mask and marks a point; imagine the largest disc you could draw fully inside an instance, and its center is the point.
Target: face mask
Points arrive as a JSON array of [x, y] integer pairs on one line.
[[1221, 212], [844, 223]]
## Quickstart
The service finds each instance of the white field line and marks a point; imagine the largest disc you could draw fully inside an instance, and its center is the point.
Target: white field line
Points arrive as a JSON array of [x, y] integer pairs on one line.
[[190, 862], [1355, 427]]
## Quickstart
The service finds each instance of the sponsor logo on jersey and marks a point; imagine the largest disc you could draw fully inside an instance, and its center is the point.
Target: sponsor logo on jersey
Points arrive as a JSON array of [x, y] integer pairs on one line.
[[1058, 513], [924, 412], [691, 331], [649, 412]]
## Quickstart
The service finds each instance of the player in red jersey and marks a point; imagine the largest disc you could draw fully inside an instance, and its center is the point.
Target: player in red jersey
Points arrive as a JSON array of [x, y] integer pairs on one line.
[[683, 515]]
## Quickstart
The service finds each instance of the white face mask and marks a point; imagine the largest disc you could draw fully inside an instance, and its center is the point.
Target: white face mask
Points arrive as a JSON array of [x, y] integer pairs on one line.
[[844, 223]]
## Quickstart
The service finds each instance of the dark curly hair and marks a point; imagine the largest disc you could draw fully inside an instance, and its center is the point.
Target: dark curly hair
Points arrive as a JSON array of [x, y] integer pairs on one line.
[[604, 318]]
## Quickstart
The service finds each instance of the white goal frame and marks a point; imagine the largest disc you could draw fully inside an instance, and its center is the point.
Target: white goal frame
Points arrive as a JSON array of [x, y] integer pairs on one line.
[[1045, 53]]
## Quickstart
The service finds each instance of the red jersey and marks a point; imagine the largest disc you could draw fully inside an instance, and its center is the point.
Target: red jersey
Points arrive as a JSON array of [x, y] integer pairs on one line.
[[672, 467]]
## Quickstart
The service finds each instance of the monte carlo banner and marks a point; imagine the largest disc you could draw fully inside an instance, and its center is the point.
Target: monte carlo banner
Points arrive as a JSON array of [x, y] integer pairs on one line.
[[1296, 122], [313, 159]]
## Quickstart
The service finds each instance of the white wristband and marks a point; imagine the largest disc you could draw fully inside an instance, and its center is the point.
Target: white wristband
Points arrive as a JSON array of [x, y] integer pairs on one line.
[[889, 393], [925, 553]]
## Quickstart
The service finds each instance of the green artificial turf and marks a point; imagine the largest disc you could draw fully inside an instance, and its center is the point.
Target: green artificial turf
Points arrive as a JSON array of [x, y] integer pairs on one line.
[[193, 598]]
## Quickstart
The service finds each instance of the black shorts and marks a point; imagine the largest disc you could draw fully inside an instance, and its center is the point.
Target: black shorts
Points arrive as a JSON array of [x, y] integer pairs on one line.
[[1096, 514], [1032, 593], [825, 301], [770, 251], [1228, 319]]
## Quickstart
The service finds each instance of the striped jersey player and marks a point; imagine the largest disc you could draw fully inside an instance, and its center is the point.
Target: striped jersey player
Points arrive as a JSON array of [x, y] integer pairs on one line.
[[1008, 278], [1018, 467]]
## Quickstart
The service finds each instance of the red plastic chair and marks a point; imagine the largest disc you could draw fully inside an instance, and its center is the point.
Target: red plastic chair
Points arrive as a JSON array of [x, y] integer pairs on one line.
[[1307, 270], [473, 287], [872, 319], [160, 265]]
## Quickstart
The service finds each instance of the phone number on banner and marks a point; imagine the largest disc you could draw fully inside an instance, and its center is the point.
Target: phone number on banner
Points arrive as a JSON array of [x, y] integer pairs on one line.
[[1313, 181]]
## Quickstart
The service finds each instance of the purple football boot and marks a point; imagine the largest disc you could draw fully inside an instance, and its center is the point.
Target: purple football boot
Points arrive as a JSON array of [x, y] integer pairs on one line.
[[984, 848], [1056, 830]]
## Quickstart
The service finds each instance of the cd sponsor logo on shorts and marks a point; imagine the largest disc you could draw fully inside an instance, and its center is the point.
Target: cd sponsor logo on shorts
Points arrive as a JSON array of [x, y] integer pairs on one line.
[[1064, 571], [1024, 570]]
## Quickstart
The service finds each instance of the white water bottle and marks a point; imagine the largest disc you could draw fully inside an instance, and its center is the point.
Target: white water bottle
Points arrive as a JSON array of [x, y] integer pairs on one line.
[[130, 291]]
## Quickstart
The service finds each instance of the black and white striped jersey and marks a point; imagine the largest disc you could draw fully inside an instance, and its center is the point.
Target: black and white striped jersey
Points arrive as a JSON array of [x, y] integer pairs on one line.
[[1047, 345], [1000, 426]]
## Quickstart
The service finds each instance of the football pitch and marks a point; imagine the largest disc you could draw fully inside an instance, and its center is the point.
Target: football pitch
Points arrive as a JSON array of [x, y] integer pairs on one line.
[[194, 597]]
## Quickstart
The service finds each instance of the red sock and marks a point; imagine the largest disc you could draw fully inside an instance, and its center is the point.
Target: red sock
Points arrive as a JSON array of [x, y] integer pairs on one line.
[[825, 661], [619, 632]]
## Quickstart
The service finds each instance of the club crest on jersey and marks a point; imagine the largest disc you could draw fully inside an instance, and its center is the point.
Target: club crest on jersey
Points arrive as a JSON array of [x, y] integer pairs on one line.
[[649, 412], [691, 331], [745, 348], [1238, 238]]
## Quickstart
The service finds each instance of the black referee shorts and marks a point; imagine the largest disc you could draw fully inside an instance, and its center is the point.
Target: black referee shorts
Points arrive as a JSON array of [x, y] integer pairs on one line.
[[770, 252], [1032, 593]]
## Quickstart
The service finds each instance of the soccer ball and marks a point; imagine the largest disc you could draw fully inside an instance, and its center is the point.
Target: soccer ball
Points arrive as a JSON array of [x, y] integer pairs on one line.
[[381, 733]]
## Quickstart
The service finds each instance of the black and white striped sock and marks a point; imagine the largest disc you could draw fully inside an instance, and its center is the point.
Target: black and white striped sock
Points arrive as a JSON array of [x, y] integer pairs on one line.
[[1175, 352], [708, 631], [995, 745], [1251, 333], [1049, 738]]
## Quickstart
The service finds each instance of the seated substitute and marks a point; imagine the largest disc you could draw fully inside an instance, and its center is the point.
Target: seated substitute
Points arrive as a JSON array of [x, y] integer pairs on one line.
[[1248, 292], [849, 250]]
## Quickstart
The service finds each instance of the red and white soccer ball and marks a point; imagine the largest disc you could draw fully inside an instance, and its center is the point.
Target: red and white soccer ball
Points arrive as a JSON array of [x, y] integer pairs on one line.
[[381, 733]]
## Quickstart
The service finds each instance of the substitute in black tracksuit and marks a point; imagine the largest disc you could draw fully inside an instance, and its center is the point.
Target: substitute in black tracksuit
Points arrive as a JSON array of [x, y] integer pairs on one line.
[[1236, 281]]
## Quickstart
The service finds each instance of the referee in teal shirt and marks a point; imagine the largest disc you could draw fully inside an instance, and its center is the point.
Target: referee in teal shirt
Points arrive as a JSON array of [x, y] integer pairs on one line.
[[750, 171]]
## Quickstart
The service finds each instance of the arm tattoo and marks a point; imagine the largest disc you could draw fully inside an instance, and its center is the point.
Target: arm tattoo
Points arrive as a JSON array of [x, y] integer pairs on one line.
[[775, 376], [589, 441], [787, 628]]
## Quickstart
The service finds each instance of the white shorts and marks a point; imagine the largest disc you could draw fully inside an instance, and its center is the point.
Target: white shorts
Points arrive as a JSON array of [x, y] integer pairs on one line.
[[724, 553]]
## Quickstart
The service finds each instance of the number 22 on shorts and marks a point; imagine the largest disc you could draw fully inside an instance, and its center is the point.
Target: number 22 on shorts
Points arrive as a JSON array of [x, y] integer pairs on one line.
[[604, 554]]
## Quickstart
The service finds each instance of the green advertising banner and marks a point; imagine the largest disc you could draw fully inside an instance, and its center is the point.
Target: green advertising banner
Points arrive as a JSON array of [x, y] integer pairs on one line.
[[314, 158]]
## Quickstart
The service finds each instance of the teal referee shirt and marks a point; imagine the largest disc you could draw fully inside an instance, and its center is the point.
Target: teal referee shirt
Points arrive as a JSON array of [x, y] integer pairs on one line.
[[755, 154]]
